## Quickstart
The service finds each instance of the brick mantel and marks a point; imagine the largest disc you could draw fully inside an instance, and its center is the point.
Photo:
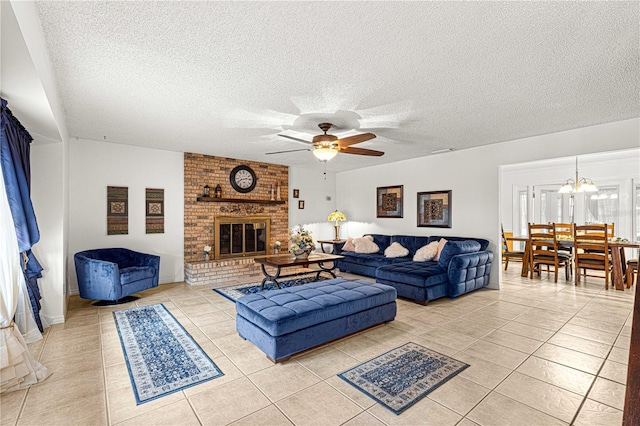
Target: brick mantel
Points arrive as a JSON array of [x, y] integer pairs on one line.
[[201, 170]]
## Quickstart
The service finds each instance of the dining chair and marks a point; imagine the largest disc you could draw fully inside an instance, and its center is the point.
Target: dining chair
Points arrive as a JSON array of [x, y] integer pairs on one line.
[[564, 233], [632, 268], [508, 253], [610, 232], [591, 251], [544, 250]]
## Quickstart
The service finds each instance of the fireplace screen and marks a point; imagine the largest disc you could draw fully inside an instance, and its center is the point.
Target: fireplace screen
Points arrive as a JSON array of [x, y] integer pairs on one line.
[[238, 236]]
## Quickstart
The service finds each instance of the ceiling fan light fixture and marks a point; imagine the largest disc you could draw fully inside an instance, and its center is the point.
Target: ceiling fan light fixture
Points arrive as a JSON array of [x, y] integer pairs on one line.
[[325, 154], [324, 139]]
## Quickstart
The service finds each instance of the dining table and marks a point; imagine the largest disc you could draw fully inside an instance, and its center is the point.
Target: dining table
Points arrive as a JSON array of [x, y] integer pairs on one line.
[[618, 260]]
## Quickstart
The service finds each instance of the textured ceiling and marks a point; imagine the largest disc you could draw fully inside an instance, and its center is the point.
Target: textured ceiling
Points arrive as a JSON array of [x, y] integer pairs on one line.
[[224, 78]]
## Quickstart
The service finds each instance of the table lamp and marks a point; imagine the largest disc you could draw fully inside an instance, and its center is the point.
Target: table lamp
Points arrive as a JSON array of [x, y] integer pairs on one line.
[[336, 216]]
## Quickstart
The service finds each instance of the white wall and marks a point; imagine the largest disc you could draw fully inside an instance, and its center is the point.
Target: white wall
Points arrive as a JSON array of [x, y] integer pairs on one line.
[[48, 202], [473, 176], [95, 165], [319, 194]]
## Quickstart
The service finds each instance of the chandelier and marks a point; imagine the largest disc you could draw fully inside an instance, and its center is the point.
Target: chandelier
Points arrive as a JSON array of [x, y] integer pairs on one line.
[[580, 184]]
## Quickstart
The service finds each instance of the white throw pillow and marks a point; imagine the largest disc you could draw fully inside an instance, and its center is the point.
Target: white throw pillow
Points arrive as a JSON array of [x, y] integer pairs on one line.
[[396, 250], [426, 253], [366, 245], [349, 246]]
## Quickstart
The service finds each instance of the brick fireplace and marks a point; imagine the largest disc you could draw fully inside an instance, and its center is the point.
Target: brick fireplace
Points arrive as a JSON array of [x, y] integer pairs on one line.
[[200, 217]]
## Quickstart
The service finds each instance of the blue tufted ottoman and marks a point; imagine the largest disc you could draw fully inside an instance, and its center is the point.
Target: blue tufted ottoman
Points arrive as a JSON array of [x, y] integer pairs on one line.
[[290, 320]]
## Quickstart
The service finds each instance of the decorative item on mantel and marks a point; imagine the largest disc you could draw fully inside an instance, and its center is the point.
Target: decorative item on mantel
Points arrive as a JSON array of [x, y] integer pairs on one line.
[[217, 192], [278, 192], [272, 197], [207, 250], [276, 247], [337, 216], [301, 242], [206, 192]]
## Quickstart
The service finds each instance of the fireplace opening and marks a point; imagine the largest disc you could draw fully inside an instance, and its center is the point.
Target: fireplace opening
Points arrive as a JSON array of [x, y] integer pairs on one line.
[[241, 236]]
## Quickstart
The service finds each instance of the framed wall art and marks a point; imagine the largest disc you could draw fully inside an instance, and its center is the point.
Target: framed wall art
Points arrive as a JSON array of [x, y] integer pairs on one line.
[[434, 209], [155, 211], [389, 201], [296, 193], [301, 204], [117, 210]]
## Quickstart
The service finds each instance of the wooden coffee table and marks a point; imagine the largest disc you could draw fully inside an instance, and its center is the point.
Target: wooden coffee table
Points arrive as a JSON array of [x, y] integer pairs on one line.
[[283, 261]]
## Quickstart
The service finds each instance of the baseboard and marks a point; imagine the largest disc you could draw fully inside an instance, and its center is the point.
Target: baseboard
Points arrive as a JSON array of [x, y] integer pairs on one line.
[[59, 319]]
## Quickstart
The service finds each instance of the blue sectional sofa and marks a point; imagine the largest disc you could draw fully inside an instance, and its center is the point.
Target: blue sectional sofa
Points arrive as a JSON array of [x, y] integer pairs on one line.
[[464, 266]]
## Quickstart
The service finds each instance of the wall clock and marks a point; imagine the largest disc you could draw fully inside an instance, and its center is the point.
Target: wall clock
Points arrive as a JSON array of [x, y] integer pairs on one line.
[[243, 179]]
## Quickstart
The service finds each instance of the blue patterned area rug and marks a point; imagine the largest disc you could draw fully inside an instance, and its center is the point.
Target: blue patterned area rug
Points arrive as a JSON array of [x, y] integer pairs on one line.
[[161, 356], [234, 292], [403, 376]]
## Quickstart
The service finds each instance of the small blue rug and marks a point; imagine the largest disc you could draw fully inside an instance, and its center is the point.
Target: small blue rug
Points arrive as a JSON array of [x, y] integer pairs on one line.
[[234, 292], [403, 376], [161, 356]]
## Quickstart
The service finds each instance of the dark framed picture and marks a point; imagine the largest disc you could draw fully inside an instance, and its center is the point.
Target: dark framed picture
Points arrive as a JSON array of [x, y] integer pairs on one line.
[[296, 193], [389, 201], [434, 209], [301, 204]]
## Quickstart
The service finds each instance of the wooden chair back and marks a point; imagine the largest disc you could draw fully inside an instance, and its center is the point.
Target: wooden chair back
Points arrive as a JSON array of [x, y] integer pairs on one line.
[[564, 231], [508, 252], [610, 232], [591, 248], [543, 243]]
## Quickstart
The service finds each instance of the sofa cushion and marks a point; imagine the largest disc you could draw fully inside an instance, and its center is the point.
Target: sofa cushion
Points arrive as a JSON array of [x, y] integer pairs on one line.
[[441, 244], [427, 252], [366, 245], [419, 274], [454, 248], [136, 273], [396, 250], [370, 259], [411, 242], [383, 241]]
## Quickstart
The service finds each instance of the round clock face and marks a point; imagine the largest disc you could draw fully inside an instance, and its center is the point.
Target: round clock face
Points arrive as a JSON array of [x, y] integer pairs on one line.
[[243, 179]]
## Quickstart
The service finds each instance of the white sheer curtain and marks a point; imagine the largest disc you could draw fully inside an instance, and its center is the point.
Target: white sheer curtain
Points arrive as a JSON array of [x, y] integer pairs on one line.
[[18, 369]]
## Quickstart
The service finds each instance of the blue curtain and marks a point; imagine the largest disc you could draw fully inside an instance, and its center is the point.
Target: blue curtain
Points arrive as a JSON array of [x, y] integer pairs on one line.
[[15, 148]]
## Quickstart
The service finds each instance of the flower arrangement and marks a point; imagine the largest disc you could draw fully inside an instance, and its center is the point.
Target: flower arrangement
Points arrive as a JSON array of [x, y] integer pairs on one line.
[[300, 240], [207, 249], [277, 245]]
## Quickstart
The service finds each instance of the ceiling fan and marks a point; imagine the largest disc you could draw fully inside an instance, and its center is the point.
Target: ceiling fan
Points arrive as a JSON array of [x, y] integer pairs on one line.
[[326, 146]]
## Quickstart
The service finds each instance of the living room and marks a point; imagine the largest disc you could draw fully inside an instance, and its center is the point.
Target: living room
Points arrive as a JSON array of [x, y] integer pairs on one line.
[[70, 179]]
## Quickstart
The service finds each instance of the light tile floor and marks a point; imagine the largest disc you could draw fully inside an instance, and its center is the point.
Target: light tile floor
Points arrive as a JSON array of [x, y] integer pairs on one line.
[[539, 353]]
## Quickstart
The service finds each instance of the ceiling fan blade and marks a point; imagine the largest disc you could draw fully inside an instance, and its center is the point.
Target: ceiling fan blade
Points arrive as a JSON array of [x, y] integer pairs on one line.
[[361, 151], [290, 150], [295, 139], [352, 140]]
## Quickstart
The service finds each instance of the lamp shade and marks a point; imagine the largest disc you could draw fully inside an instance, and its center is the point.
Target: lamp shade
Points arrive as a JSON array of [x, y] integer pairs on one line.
[[325, 154], [336, 216]]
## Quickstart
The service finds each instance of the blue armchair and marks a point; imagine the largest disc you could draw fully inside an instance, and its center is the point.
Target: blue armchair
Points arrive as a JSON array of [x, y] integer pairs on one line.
[[112, 275]]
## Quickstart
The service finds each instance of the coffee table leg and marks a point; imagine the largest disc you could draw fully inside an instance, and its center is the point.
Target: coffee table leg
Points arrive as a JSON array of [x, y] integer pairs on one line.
[[323, 269], [268, 277]]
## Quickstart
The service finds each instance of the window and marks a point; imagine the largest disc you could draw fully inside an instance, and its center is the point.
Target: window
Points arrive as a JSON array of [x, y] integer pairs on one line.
[[636, 225], [602, 206], [522, 213], [551, 206]]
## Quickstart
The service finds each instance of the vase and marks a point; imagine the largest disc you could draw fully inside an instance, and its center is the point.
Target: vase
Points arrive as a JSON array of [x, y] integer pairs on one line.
[[302, 254], [206, 257]]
